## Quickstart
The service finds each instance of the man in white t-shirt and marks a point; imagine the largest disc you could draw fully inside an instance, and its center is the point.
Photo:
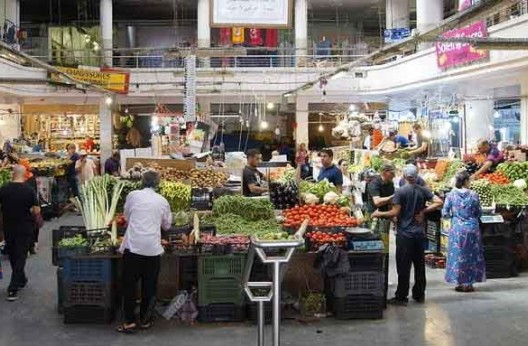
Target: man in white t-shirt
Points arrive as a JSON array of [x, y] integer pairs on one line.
[[85, 168]]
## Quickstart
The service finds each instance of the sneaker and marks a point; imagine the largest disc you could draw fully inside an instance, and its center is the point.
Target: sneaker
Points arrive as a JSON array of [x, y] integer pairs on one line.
[[398, 302], [12, 296]]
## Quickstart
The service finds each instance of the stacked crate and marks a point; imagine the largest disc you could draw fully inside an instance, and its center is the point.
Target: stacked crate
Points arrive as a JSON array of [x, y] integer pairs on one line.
[[89, 292], [220, 293], [499, 254], [58, 255], [360, 293], [433, 235]]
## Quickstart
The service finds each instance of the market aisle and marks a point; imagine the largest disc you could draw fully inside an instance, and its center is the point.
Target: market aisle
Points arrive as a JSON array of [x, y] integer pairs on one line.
[[496, 315]]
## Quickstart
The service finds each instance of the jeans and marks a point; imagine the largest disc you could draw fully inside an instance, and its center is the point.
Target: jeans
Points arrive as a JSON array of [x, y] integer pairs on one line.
[[410, 252], [17, 246], [145, 268]]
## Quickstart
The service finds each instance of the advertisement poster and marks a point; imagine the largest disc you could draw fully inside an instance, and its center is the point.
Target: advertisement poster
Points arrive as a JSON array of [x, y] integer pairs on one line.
[[450, 54]]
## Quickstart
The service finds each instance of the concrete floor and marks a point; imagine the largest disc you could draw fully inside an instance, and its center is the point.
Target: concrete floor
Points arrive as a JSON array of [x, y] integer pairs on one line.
[[495, 315]]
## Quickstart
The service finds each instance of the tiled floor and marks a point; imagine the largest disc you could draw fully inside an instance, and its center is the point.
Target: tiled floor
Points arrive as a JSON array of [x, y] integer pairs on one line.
[[495, 315]]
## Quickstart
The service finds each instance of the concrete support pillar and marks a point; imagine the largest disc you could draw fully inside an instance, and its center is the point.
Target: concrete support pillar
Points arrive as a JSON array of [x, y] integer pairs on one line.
[[479, 122], [397, 14], [106, 131], [106, 19], [10, 11], [204, 25], [301, 119], [429, 13], [301, 27], [524, 110]]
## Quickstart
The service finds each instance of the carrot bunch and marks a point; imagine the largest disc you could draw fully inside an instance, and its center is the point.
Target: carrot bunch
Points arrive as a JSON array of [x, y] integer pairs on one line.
[[497, 178]]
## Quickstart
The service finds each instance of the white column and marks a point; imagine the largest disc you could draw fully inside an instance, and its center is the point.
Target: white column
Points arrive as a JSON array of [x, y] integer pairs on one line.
[[479, 122], [301, 27], [301, 119], [12, 11], [204, 25], [397, 14], [524, 109], [429, 13], [106, 18], [106, 131]]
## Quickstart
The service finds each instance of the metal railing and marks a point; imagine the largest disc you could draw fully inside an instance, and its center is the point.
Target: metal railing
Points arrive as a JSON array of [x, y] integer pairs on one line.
[[516, 9], [256, 57], [156, 58]]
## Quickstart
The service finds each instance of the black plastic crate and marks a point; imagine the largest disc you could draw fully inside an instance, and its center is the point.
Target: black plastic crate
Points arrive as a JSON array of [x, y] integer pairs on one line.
[[54, 255], [498, 253], [60, 291], [201, 199], [188, 271], [363, 306], [68, 252], [88, 293], [221, 313], [500, 269], [88, 315], [66, 232], [354, 283], [366, 261], [433, 246], [88, 269], [432, 228], [496, 240], [252, 312]]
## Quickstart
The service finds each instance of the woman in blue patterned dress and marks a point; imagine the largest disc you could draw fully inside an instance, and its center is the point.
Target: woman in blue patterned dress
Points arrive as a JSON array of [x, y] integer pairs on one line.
[[465, 257]]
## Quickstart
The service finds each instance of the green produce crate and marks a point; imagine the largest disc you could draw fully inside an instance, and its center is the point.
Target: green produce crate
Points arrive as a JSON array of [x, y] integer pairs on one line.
[[220, 279]]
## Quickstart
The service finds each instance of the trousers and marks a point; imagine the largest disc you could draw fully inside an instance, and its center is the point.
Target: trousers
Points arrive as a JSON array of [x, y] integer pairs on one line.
[[18, 243], [410, 252], [145, 269]]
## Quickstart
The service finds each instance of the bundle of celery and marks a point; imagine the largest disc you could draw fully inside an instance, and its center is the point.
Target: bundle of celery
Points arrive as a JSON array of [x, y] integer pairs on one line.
[[97, 207]]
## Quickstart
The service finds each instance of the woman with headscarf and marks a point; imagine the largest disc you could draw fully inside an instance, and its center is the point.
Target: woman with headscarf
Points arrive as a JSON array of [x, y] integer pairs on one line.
[[465, 258]]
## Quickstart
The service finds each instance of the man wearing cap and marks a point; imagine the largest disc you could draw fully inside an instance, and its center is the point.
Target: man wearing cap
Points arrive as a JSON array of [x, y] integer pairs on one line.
[[409, 205], [85, 167], [380, 193], [329, 171]]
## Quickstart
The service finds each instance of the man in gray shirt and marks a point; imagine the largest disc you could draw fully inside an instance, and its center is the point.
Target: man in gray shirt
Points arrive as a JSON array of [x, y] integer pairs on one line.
[[409, 206]]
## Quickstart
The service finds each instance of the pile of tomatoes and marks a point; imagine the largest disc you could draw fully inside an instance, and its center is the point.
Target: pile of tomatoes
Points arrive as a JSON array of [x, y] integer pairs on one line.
[[318, 216], [496, 178], [319, 237]]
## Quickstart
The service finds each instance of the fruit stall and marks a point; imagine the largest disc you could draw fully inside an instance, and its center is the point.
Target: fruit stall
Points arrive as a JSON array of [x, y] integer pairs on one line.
[[206, 250], [503, 196]]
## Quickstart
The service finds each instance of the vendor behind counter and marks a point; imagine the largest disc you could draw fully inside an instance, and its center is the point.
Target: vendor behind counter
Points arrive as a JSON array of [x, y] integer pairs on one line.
[[493, 157], [253, 181], [330, 171]]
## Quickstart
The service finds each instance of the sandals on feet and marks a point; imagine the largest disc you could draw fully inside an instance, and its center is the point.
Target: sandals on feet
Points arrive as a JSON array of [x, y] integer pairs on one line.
[[127, 329], [465, 289]]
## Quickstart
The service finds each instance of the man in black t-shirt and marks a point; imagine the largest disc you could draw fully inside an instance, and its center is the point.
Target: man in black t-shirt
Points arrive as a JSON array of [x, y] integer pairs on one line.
[[252, 179], [381, 189], [380, 193], [19, 208], [410, 206]]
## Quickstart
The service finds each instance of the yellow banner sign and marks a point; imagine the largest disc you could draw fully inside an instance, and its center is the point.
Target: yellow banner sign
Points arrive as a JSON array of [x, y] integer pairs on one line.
[[110, 79]]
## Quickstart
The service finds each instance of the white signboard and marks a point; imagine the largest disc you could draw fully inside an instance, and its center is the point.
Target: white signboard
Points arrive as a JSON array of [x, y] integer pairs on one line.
[[251, 13]]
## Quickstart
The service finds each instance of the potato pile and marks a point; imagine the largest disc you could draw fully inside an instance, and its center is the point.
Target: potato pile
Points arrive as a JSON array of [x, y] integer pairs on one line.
[[198, 178]]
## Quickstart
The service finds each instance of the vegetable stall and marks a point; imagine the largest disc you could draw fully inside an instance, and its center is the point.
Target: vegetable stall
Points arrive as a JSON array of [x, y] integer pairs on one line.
[[206, 249]]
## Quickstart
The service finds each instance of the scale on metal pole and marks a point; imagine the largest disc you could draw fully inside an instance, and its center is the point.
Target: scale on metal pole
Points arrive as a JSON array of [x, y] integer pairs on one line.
[[269, 252]]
